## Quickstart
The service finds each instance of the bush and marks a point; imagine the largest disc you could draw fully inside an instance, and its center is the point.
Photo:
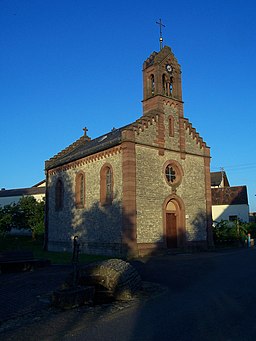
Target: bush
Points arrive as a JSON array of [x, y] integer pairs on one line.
[[230, 232], [28, 214]]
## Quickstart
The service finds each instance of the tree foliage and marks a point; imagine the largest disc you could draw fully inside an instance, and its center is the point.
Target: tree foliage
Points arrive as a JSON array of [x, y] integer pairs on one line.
[[233, 231], [27, 214]]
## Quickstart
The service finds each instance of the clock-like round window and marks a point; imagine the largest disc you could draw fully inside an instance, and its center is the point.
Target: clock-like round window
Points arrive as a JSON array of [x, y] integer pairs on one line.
[[173, 173]]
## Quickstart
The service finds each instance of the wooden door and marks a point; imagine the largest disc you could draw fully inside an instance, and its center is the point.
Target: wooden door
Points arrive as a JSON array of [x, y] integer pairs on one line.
[[171, 230]]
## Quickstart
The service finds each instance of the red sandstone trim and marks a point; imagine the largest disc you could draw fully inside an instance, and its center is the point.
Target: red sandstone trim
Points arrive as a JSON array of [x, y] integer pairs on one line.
[[129, 230], [85, 160], [181, 224], [208, 199], [179, 172]]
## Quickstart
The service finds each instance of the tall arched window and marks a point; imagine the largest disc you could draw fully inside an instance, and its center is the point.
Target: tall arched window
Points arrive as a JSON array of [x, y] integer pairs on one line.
[[164, 84], [80, 190], [106, 185], [171, 126], [59, 195], [152, 82]]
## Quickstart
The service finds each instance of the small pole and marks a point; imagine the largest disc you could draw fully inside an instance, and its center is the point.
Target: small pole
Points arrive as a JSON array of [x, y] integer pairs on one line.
[[76, 250]]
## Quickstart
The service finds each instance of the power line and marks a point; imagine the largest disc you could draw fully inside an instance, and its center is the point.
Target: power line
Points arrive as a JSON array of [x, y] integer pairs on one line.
[[245, 166]]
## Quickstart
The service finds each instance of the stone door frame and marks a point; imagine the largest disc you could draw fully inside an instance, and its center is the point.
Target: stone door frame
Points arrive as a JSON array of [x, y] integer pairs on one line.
[[180, 219]]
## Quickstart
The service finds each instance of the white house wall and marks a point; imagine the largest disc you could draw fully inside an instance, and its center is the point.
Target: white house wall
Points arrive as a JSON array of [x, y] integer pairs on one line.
[[222, 212]]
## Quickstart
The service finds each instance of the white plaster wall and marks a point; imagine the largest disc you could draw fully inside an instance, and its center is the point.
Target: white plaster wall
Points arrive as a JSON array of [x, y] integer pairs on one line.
[[222, 212]]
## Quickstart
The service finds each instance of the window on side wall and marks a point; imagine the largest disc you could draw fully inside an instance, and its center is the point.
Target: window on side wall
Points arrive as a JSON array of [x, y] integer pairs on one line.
[[80, 190], [106, 185], [59, 195]]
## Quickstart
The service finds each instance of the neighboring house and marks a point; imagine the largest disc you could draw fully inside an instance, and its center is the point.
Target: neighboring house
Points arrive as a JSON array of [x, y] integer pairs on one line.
[[137, 188], [219, 179], [10, 196], [228, 203]]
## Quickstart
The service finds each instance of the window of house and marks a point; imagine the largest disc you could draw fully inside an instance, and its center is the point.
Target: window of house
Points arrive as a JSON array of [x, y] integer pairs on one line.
[[232, 218], [106, 185], [80, 190], [59, 192]]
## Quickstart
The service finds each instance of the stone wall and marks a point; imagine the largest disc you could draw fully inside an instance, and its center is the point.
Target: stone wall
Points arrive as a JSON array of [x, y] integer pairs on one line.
[[98, 227], [152, 189]]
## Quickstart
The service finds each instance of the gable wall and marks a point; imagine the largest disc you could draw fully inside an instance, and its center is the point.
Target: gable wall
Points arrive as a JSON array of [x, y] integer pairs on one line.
[[151, 187], [152, 190]]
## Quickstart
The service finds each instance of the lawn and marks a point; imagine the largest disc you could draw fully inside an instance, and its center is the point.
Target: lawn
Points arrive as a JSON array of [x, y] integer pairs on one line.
[[15, 243]]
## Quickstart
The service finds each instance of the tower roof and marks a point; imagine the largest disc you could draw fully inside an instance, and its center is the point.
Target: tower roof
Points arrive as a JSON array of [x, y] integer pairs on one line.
[[158, 57]]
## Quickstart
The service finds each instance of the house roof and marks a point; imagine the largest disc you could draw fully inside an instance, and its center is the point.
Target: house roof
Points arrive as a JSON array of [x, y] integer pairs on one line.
[[21, 191], [236, 195], [84, 147], [217, 177]]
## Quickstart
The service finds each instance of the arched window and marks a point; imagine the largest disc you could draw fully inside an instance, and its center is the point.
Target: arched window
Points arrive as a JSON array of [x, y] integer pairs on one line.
[[152, 82], [59, 195], [106, 185], [80, 190], [164, 84], [171, 126], [170, 86]]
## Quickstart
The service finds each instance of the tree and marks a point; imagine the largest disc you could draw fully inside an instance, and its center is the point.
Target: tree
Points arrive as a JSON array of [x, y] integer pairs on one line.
[[31, 215], [230, 231], [8, 215], [28, 213]]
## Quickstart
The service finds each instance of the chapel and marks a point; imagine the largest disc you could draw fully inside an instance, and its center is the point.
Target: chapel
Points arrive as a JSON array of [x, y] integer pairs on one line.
[[137, 189]]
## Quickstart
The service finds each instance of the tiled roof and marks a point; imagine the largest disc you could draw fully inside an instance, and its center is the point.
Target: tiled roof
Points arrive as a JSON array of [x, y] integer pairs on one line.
[[216, 179], [229, 195], [82, 148], [21, 191], [85, 146]]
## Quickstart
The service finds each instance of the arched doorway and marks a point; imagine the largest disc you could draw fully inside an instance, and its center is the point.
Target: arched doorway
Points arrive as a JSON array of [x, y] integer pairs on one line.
[[171, 225], [174, 222]]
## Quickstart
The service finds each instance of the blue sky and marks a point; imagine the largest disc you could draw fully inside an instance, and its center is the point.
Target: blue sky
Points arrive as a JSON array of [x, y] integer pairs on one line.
[[67, 64]]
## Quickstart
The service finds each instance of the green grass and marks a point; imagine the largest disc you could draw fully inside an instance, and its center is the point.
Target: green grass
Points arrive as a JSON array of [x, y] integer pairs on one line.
[[25, 243]]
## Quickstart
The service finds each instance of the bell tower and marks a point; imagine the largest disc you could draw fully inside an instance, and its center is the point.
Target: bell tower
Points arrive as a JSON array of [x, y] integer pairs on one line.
[[161, 80]]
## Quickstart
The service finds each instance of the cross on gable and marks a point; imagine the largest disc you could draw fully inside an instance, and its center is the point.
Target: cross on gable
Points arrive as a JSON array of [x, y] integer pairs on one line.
[[85, 131]]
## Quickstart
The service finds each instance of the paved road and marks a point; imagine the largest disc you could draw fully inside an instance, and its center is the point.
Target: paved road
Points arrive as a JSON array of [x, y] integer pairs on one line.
[[209, 296]]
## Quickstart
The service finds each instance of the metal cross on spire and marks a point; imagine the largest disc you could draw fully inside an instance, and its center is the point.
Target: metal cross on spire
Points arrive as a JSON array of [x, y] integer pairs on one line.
[[161, 37]]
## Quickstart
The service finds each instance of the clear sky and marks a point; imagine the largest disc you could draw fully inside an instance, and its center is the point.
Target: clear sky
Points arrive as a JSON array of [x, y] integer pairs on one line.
[[67, 64]]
